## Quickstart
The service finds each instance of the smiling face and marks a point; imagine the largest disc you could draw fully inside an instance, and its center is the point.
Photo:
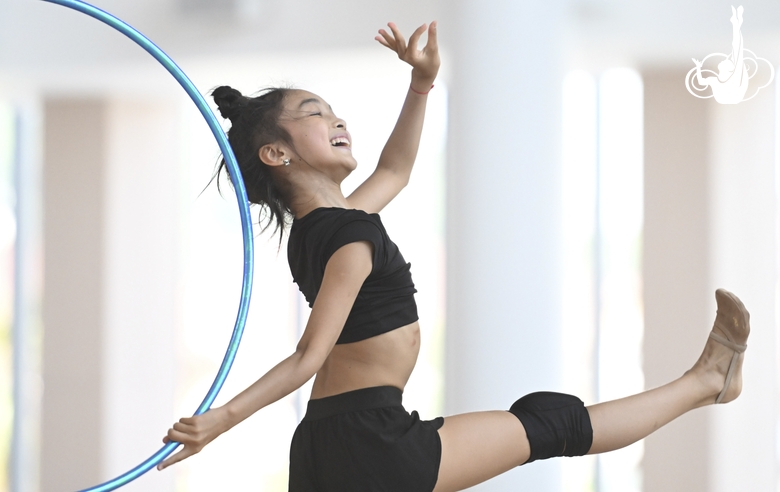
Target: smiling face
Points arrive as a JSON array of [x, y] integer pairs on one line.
[[319, 138]]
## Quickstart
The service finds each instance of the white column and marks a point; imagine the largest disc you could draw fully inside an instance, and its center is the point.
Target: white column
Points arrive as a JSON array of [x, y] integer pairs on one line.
[[503, 194], [742, 145], [24, 465]]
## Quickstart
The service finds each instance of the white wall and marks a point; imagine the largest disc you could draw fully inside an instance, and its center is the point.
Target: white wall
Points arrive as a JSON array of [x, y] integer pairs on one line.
[[72, 336], [110, 301], [142, 283], [710, 218]]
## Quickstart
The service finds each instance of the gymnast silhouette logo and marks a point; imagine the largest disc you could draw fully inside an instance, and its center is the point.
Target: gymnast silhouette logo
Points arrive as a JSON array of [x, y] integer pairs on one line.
[[730, 84]]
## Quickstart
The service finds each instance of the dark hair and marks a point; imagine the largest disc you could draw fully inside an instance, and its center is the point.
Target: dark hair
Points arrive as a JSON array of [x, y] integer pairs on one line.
[[255, 123]]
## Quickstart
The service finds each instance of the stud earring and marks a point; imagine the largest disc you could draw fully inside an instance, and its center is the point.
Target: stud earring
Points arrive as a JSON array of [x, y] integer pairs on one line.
[[286, 162]]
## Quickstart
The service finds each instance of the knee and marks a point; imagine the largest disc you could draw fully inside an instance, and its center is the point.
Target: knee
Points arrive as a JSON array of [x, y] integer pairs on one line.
[[556, 424]]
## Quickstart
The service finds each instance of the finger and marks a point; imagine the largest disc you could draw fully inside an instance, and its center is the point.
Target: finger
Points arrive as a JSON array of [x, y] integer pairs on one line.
[[182, 427], [184, 453], [388, 39], [178, 436], [433, 40], [167, 437], [400, 42], [189, 420], [384, 43], [416, 36]]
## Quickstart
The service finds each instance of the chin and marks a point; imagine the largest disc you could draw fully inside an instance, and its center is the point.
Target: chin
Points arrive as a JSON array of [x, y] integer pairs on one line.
[[350, 166]]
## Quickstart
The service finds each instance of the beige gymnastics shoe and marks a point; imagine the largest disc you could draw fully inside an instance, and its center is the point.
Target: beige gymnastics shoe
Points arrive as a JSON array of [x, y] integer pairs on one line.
[[731, 328]]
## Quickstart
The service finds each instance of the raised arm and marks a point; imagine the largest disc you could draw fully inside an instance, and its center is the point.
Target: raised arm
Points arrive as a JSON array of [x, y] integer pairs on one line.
[[344, 274], [397, 158]]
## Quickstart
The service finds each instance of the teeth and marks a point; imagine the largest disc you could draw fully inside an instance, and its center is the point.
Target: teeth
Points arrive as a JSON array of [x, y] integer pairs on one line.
[[340, 140]]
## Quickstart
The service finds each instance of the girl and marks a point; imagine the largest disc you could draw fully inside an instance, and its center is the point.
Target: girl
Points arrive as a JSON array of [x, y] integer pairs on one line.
[[362, 338]]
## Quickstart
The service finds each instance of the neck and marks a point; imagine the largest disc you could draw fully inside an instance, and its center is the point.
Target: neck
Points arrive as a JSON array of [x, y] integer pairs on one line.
[[310, 191]]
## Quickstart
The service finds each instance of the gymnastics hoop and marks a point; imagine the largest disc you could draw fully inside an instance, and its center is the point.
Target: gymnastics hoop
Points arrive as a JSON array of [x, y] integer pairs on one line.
[[243, 207]]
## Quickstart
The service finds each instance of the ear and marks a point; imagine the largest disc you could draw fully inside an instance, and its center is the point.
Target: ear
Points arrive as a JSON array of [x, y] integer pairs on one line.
[[273, 154]]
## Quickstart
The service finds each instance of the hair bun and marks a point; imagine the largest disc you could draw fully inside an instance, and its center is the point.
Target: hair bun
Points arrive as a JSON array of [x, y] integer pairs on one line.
[[229, 101]]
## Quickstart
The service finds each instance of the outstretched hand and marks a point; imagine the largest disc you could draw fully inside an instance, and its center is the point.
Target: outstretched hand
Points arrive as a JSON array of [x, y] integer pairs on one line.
[[425, 62], [194, 433]]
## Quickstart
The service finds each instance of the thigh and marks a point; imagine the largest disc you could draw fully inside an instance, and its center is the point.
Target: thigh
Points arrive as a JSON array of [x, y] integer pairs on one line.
[[479, 446]]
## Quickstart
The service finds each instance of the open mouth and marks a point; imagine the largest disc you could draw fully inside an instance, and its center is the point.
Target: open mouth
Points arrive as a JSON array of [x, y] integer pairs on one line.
[[340, 142]]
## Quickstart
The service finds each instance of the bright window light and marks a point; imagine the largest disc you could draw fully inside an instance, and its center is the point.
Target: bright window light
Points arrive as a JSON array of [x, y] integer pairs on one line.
[[602, 232], [777, 243], [621, 324], [7, 261], [579, 243]]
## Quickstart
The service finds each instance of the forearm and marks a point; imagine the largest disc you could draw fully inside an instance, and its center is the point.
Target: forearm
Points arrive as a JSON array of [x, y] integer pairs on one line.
[[400, 152], [197, 431], [283, 379]]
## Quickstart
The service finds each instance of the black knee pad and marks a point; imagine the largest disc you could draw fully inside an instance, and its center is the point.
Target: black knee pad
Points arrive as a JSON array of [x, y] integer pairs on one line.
[[556, 424]]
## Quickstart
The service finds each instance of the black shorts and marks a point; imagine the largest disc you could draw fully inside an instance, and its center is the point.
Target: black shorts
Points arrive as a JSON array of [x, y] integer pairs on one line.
[[364, 441]]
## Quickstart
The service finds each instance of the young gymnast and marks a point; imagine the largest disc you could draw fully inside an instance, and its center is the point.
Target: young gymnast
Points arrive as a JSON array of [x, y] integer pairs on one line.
[[362, 338]]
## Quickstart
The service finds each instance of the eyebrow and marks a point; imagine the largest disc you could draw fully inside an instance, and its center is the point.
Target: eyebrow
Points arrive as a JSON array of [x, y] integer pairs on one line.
[[309, 100], [312, 100]]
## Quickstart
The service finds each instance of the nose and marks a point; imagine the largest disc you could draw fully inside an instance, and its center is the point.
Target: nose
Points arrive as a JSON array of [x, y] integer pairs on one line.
[[341, 124]]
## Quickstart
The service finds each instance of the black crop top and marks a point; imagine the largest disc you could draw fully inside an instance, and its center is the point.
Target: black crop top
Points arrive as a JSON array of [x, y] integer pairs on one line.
[[386, 299]]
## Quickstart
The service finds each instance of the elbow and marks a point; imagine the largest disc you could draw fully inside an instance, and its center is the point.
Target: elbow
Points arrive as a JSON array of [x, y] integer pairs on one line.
[[402, 179], [310, 359]]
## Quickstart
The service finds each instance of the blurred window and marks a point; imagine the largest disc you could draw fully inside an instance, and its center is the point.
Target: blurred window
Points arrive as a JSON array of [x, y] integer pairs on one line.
[[7, 294], [602, 231]]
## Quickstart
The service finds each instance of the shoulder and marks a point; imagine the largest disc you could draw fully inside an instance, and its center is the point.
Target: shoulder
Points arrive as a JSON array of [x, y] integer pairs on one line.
[[323, 231], [329, 220]]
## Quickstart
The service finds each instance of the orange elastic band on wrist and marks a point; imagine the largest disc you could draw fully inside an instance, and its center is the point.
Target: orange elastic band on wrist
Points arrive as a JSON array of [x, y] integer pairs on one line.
[[420, 93]]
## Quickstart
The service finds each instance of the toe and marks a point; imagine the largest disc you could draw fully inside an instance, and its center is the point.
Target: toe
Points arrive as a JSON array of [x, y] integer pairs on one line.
[[733, 320]]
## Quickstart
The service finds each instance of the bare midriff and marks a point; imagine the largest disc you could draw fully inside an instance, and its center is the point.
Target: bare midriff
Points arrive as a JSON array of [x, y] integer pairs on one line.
[[383, 360]]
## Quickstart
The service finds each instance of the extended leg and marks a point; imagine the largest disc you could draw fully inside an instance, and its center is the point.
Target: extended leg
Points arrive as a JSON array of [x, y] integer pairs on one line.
[[618, 423], [479, 446], [716, 376]]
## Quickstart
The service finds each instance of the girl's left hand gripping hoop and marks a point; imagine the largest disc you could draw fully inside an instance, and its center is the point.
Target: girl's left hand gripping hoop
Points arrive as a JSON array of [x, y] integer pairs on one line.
[[246, 225]]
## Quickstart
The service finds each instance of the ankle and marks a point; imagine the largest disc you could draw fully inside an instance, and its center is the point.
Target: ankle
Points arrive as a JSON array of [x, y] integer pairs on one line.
[[702, 384]]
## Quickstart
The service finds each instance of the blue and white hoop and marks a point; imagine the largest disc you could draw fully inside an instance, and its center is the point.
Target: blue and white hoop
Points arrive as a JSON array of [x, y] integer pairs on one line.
[[246, 226]]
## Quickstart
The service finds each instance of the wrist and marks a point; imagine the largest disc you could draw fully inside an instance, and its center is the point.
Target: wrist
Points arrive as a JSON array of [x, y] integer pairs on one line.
[[423, 92], [229, 416], [421, 83]]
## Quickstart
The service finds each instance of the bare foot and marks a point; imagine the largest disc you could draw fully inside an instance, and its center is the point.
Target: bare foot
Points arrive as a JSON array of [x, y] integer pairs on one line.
[[720, 365]]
